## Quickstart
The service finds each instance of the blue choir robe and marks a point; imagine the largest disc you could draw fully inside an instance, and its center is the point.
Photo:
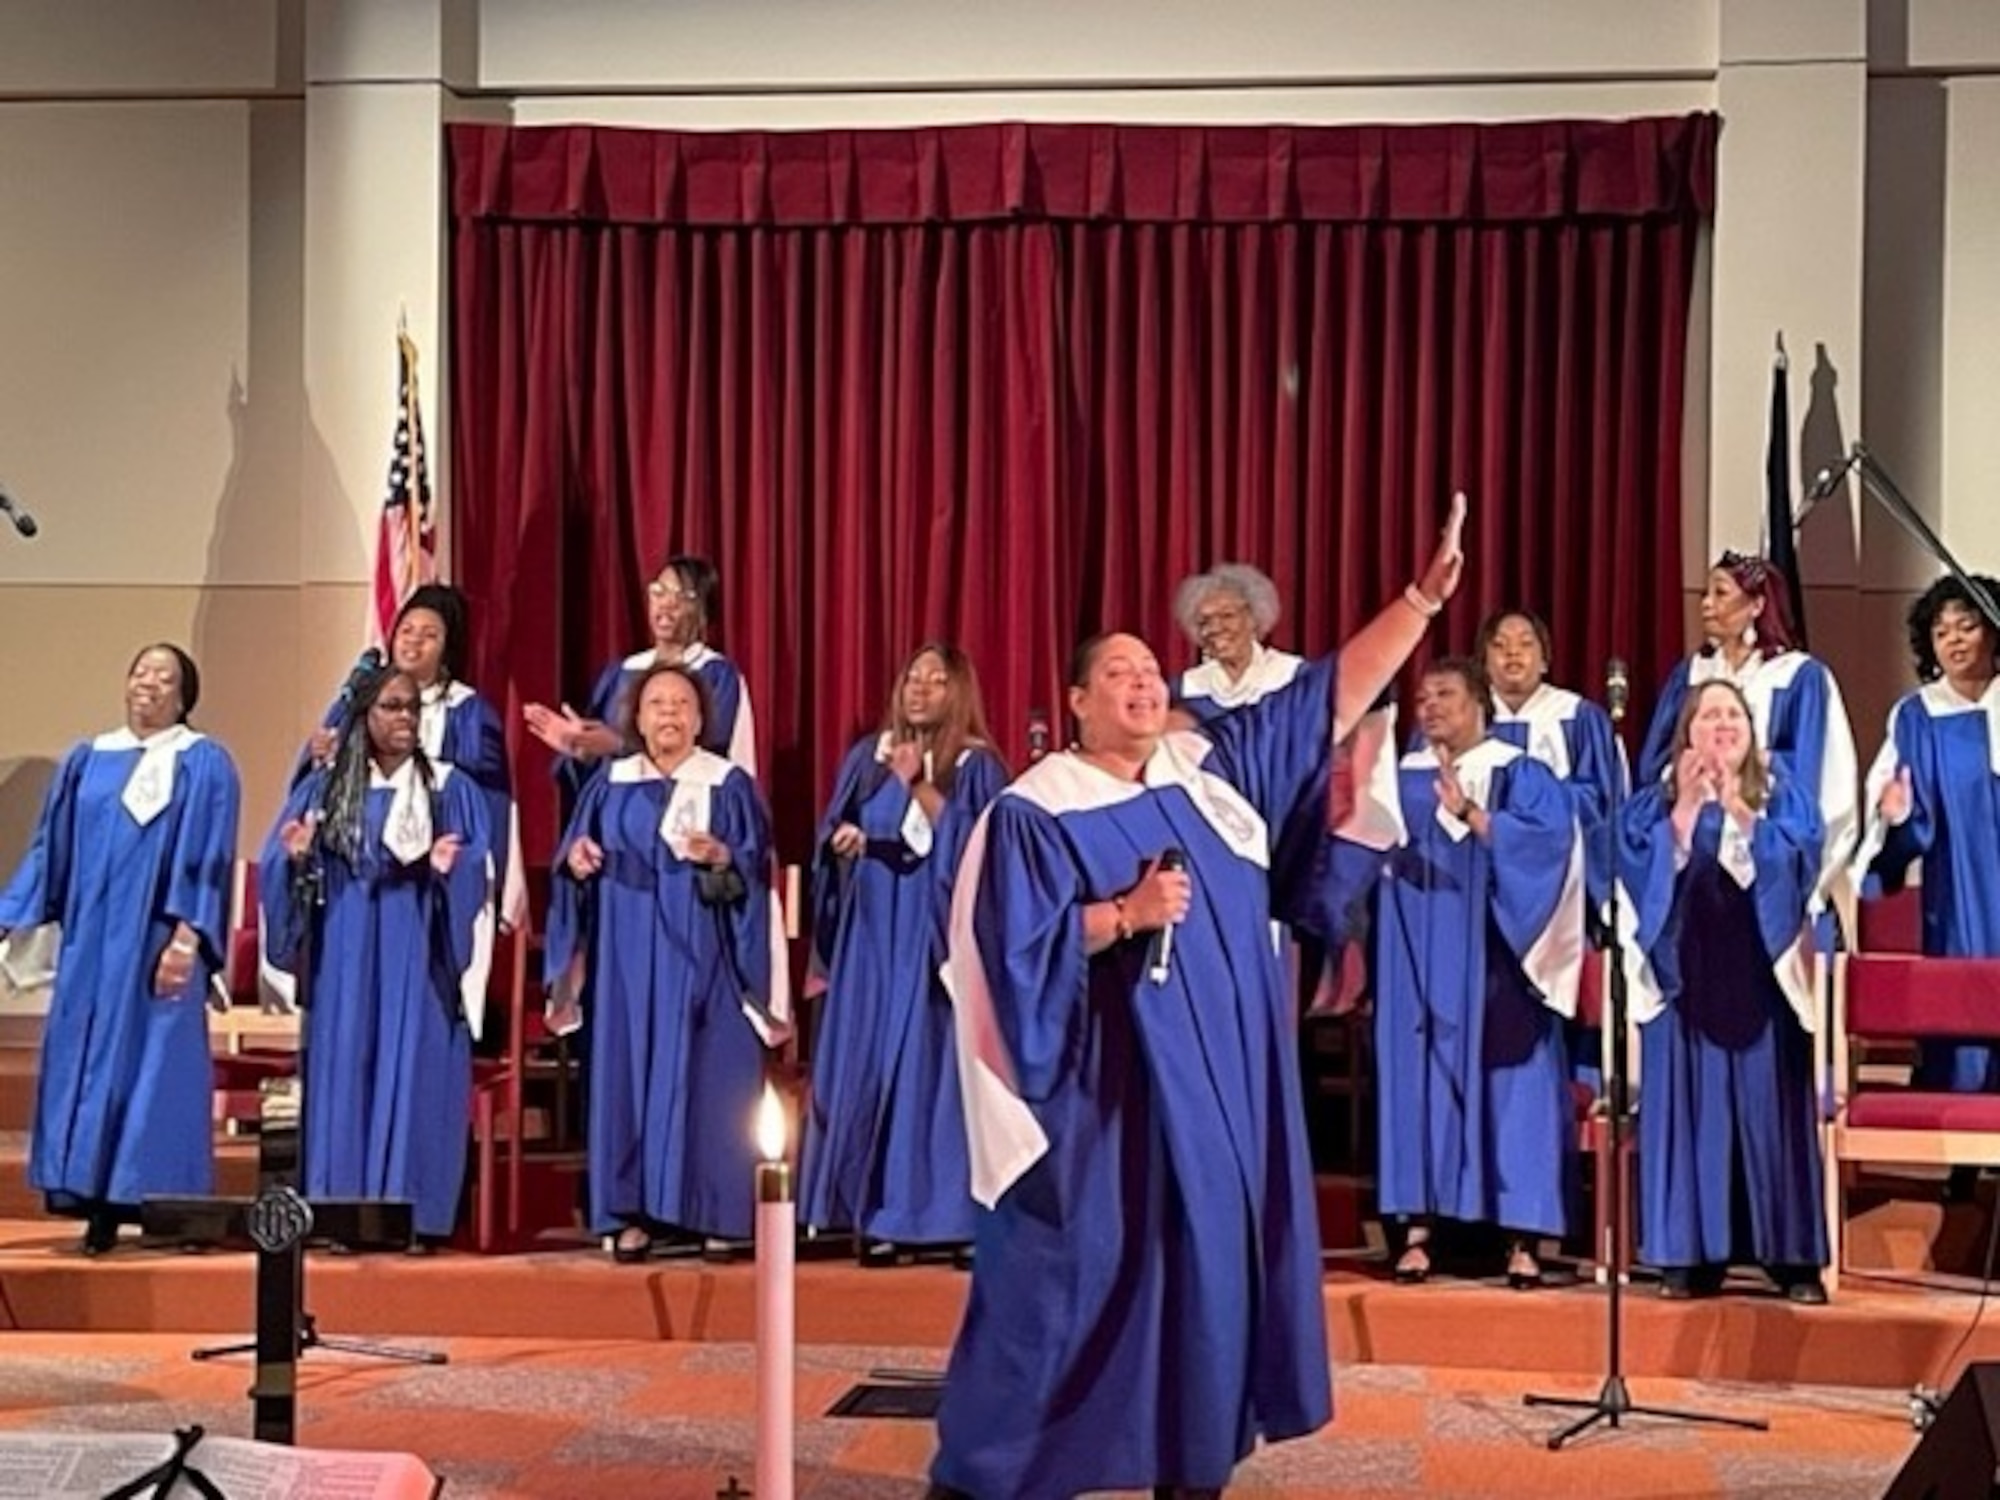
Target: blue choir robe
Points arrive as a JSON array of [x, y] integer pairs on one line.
[[1207, 692], [1720, 967], [458, 727], [134, 837], [1146, 1298], [1478, 949], [1801, 720], [884, 1148], [388, 1057], [1951, 748], [679, 995], [1574, 738]]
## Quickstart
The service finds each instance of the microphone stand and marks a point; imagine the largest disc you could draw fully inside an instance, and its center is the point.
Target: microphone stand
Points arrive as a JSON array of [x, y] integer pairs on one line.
[[1877, 482], [1613, 1401]]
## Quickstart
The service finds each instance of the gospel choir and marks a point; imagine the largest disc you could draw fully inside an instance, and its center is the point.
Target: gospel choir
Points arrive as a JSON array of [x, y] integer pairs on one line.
[[1059, 1033]]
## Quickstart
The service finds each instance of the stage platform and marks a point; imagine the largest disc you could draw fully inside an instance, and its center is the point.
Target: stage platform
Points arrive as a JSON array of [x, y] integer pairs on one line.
[[1876, 1333], [1892, 1330]]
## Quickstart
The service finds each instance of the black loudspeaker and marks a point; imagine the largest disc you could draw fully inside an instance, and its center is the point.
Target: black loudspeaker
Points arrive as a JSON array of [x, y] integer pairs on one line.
[[1959, 1458]]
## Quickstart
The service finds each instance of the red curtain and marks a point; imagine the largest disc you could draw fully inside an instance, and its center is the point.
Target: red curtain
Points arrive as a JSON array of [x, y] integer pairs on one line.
[[1008, 384]]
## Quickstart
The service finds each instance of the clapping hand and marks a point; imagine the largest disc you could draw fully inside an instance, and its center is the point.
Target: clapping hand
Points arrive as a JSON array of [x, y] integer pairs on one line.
[[1897, 799]]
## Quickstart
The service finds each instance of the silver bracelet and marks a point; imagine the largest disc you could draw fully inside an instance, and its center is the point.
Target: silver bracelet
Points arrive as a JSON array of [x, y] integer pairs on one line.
[[1421, 602]]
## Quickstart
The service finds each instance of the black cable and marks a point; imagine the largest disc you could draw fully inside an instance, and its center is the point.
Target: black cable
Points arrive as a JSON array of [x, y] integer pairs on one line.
[[1924, 1402]]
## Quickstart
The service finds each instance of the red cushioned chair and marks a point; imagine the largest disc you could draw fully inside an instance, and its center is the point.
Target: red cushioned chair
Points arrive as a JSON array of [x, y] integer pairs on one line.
[[1891, 995]]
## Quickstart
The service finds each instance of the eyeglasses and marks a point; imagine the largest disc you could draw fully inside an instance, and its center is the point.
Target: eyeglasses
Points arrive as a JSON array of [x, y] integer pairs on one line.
[[410, 706], [1222, 614]]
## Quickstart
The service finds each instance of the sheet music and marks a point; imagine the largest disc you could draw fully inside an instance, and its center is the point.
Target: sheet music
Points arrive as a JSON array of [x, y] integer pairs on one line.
[[88, 1465]]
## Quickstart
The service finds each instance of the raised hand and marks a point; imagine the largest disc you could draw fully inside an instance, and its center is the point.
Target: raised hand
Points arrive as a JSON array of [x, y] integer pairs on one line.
[[295, 837], [1447, 564], [1897, 799], [906, 761]]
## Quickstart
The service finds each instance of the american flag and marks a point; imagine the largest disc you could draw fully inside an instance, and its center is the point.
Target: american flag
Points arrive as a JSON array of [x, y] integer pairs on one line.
[[406, 540]]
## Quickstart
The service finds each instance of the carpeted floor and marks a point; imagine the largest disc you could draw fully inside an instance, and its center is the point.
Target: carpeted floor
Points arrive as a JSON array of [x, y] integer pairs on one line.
[[671, 1421]]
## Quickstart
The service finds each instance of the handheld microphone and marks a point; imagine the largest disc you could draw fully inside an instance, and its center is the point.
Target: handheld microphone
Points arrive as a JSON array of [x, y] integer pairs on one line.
[[1160, 961], [24, 523], [366, 665], [1038, 734], [1617, 687]]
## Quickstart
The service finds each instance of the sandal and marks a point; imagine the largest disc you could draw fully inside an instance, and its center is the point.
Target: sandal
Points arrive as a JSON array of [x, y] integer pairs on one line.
[[1413, 1267]]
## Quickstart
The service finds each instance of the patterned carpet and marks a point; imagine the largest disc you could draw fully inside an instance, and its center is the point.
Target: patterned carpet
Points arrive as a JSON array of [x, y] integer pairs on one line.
[[513, 1418]]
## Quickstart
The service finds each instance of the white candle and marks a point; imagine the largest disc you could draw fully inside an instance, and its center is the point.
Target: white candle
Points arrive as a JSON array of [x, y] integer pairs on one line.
[[776, 1243]]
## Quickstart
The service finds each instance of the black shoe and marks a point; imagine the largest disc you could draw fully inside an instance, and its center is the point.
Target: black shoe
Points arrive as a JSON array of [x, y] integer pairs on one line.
[[961, 1257], [720, 1252], [420, 1246], [1800, 1284], [1410, 1272], [884, 1255], [1525, 1281], [100, 1234]]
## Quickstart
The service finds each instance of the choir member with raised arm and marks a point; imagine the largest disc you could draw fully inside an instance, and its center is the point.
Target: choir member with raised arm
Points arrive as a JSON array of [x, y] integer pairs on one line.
[[133, 856], [683, 605], [659, 928], [1934, 795], [1720, 858], [1226, 613], [430, 640], [399, 845], [1145, 1301], [884, 1151], [1478, 947], [1795, 703]]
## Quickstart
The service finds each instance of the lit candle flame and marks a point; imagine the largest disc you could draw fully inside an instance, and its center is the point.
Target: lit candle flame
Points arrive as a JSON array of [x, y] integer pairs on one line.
[[771, 1126]]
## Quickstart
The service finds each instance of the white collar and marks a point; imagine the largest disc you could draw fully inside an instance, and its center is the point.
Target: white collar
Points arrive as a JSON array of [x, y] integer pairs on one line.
[[701, 768], [1940, 699], [1486, 757], [693, 657], [1547, 704], [1068, 783], [171, 740], [1268, 671]]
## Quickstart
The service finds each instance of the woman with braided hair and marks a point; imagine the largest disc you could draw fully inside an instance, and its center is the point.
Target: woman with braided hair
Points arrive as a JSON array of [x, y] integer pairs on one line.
[[398, 842]]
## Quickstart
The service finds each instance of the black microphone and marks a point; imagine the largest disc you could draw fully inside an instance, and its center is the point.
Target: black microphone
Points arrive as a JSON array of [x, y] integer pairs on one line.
[[366, 665], [1038, 734], [23, 522], [1617, 687], [1160, 961]]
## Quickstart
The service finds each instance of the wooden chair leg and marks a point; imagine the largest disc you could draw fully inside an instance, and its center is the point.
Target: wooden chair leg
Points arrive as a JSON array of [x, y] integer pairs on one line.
[[483, 1193]]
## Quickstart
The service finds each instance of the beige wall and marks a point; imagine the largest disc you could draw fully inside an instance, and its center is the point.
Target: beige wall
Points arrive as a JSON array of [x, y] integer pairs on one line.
[[212, 213]]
